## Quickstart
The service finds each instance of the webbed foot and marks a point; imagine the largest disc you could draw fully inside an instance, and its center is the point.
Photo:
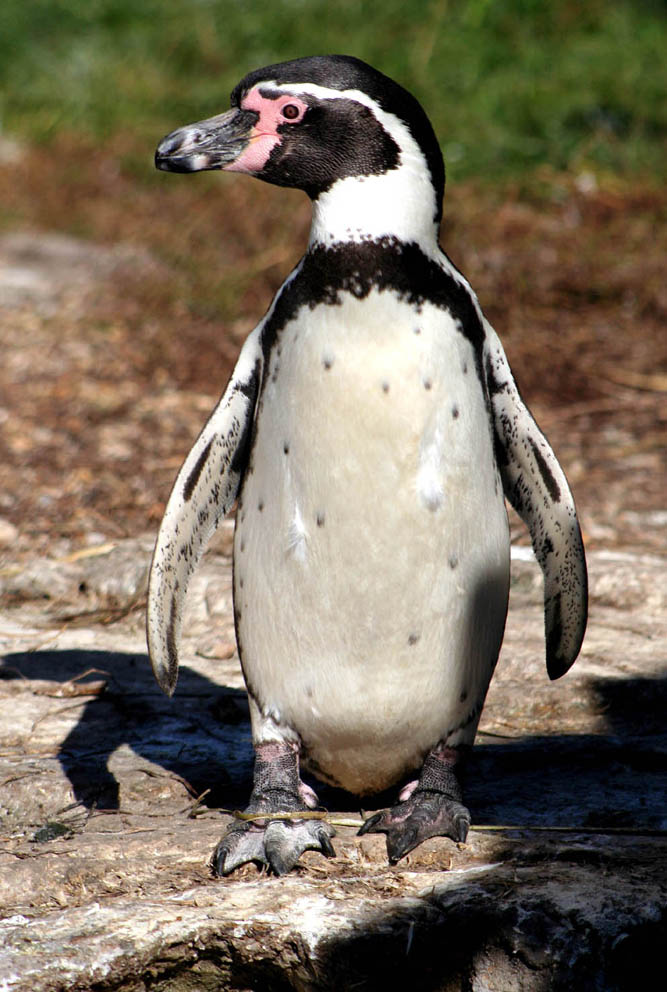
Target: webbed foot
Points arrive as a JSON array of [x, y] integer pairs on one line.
[[276, 843], [423, 815], [433, 809]]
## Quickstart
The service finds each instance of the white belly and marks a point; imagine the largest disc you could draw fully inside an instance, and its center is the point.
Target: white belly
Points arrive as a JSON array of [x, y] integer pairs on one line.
[[372, 548]]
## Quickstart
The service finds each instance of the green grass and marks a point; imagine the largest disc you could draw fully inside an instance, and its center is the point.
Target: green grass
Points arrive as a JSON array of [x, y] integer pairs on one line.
[[511, 85]]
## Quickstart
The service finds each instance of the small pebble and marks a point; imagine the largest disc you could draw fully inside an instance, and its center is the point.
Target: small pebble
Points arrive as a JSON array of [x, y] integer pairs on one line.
[[8, 533]]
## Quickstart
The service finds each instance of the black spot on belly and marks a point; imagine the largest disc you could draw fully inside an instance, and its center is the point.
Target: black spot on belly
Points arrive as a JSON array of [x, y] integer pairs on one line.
[[260, 505], [465, 368], [427, 383], [455, 412], [327, 363], [385, 387], [418, 330], [412, 639], [320, 520], [197, 470], [286, 448], [463, 696], [453, 561]]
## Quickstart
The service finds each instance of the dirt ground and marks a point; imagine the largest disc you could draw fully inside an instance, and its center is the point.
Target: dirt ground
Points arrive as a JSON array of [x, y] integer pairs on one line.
[[117, 342], [122, 308]]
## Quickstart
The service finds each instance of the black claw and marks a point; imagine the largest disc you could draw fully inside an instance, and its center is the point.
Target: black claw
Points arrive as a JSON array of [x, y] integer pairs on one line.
[[369, 825], [218, 858], [326, 845], [461, 827], [401, 842], [280, 866]]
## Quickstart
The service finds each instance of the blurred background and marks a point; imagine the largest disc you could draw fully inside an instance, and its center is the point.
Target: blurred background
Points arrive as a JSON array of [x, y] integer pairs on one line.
[[126, 293]]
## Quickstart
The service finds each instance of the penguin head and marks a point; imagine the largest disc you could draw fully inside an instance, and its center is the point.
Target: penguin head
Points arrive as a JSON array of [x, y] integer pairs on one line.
[[323, 124]]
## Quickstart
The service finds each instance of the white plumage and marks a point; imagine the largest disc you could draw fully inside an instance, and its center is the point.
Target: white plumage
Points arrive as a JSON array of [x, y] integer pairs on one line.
[[370, 430]]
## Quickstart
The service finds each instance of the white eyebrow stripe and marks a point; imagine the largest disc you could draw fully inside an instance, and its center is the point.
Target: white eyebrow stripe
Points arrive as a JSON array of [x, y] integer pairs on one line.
[[394, 125]]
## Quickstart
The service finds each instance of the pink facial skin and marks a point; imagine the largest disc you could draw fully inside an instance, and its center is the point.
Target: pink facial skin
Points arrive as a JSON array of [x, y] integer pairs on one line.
[[264, 136]]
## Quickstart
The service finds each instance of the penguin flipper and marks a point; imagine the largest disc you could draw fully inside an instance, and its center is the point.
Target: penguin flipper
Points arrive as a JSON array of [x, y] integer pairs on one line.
[[203, 493], [535, 485]]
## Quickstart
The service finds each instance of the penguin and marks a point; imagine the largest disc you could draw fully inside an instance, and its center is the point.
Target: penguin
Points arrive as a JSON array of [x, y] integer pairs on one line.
[[369, 436]]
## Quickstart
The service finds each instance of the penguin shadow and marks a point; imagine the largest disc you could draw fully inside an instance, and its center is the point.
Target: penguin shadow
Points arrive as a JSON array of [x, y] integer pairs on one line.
[[615, 778], [202, 734]]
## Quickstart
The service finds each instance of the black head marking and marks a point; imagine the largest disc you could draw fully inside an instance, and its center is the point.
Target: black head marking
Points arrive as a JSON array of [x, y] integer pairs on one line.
[[335, 139], [344, 72]]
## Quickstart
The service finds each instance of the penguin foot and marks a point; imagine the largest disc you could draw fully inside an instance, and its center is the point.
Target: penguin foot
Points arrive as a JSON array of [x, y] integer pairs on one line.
[[277, 846], [275, 843], [425, 814], [431, 807]]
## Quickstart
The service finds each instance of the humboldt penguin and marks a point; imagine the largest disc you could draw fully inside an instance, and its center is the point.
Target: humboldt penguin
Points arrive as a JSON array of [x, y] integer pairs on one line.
[[369, 435]]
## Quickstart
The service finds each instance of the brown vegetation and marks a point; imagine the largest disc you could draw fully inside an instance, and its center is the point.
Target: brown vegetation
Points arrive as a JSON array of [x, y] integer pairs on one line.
[[116, 347]]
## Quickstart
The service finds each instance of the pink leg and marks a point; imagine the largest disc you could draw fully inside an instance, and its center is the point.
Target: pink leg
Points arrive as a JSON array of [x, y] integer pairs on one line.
[[278, 844], [431, 807]]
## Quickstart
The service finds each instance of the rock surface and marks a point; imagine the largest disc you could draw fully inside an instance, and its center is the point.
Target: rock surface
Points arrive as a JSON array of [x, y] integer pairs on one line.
[[111, 797]]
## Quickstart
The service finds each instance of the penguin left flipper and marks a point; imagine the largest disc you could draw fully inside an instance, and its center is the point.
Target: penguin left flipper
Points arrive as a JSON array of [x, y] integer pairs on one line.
[[203, 493], [535, 485]]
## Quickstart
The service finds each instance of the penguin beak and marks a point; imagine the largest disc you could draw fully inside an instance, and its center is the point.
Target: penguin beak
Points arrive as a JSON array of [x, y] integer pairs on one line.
[[211, 144]]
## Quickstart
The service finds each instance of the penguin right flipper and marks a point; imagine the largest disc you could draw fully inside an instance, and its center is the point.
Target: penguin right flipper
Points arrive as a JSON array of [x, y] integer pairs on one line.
[[536, 486], [203, 493]]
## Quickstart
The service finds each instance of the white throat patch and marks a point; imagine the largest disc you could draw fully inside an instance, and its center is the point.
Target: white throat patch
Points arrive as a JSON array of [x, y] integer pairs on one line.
[[356, 207]]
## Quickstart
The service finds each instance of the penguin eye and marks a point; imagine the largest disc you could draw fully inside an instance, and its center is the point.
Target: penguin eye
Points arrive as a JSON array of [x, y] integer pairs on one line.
[[290, 111]]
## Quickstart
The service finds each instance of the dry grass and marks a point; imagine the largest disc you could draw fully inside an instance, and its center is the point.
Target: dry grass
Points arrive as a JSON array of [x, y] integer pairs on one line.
[[104, 390]]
